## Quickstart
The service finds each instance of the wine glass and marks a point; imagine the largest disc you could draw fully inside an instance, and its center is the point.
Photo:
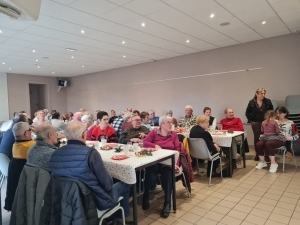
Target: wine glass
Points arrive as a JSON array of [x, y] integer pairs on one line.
[[141, 143]]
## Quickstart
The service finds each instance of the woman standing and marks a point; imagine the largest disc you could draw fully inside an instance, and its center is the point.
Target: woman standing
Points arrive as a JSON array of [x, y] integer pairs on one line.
[[256, 109]]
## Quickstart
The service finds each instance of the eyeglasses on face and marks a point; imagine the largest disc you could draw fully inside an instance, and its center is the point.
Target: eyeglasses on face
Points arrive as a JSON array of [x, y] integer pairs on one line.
[[138, 121]]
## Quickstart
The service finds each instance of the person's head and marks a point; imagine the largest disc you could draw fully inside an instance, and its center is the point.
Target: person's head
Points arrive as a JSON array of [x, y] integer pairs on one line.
[[25, 114], [70, 115], [151, 114], [77, 116], [136, 112], [41, 114], [19, 118], [165, 123], [53, 111], [188, 111], [112, 113], [229, 113], [282, 113], [87, 120], [207, 111], [56, 115], [64, 116], [45, 111], [82, 110], [136, 121], [76, 131], [129, 109], [260, 94], [127, 117], [169, 113], [202, 121], [145, 117], [21, 131], [270, 115], [46, 133], [103, 119]]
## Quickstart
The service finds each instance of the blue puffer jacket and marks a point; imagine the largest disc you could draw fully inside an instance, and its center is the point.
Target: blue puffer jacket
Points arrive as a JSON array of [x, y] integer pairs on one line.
[[7, 143], [72, 160]]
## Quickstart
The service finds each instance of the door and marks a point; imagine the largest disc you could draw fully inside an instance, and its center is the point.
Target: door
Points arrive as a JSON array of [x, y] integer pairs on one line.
[[37, 94]]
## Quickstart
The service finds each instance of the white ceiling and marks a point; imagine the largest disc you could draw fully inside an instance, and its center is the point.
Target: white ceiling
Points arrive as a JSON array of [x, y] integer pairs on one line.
[[107, 23]]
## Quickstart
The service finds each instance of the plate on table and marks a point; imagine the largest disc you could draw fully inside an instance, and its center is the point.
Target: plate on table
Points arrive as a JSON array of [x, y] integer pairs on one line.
[[119, 157], [113, 144], [106, 147]]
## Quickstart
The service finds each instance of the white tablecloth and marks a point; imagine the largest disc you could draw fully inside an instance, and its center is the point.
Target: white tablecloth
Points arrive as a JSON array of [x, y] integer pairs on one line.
[[124, 170]]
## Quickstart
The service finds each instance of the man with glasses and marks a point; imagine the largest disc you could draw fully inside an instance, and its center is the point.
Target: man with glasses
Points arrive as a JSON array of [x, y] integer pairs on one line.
[[134, 133]]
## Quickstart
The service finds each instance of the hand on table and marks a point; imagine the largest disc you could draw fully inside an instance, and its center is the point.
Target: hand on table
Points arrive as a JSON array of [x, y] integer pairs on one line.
[[157, 147], [142, 135], [135, 140]]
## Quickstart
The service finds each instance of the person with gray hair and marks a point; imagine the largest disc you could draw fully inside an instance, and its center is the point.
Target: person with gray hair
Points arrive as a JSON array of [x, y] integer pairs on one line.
[[163, 138], [189, 119], [153, 119], [170, 114], [88, 122], [127, 121], [22, 134], [39, 154], [78, 161]]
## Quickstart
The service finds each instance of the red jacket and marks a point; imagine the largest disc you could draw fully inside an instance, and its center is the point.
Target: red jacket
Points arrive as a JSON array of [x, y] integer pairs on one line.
[[234, 124]]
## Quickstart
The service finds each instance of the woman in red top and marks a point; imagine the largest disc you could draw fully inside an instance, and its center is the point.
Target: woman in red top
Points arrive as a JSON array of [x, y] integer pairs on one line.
[[103, 129]]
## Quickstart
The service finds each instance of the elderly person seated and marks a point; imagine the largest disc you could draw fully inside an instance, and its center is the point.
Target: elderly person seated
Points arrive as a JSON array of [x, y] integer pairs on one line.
[[103, 130], [189, 119], [48, 115], [212, 120], [134, 133], [57, 123], [170, 114], [199, 131], [129, 109], [232, 123], [127, 121], [77, 116], [87, 120], [145, 120], [78, 161], [112, 116], [40, 153], [22, 134], [154, 120], [40, 118], [163, 138]]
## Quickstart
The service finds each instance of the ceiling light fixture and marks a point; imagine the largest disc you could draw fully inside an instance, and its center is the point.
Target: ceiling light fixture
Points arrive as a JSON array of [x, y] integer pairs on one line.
[[263, 22], [212, 15], [187, 41], [3, 63], [33, 50], [82, 31], [224, 24], [9, 68], [123, 42], [71, 49], [83, 66], [143, 24], [124, 56], [72, 57], [38, 66], [0, 31], [36, 60], [52, 72]]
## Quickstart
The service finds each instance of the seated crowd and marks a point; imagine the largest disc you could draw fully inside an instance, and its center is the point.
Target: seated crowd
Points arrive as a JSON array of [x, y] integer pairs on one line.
[[78, 161]]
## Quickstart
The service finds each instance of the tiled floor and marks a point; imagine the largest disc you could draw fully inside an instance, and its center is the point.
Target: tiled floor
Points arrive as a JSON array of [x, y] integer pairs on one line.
[[250, 197]]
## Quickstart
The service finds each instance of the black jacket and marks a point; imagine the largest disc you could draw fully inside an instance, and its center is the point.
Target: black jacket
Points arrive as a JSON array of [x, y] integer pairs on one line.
[[199, 132], [251, 108], [68, 202]]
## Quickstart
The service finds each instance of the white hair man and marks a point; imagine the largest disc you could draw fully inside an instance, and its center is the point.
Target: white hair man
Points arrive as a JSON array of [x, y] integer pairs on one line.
[[88, 122], [154, 120], [78, 161], [189, 119], [39, 154]]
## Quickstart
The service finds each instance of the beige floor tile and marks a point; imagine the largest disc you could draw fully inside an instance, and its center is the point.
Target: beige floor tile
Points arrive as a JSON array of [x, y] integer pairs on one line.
[[227, 204], [156, 223], [218, 195], [255, 219], [206, 205], [223, 191], [179, 213], [232, 199], [260, 184], [214, 216], [246, 185], [279, 218], [190, 217], [294, 221], [206, 221], [221, 209], [242, 189], [254, 198], [184, 206], [291, 195], [260, 189], [297, 209], [272, 196], [275, 192], [260, 213], [284, 212], [268, 201], [265, 207], [289, 200], [200, 196], [145, 220], [243, 208], [168, 221], [276, 187], [246, 223], [286, 205], [257, 193], [290, 190], [153, 214], [296, 215], [248, 202], [237, 214], [212, 200], [199, 211], [181, 222], [229, 187], [231, 220], [237, 194], [272, 222]]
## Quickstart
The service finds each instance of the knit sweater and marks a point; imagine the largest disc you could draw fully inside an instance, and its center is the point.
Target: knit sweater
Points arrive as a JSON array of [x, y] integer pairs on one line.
[[39, 154], [20, 149], [234, 124], [270, 128]]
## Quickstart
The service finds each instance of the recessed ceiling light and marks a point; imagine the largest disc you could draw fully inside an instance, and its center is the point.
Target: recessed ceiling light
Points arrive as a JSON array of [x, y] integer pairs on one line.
[[33, 50], [82, 65], [9, 68], [52, 72], [37, 60], [71, 49], [263, 22], [3, 63], [124, 56], [72, 57], [38, 66], [224, 24], [123, 42], [82, 31], [0, 31], [212, 15], [143, 24], [187, 41]]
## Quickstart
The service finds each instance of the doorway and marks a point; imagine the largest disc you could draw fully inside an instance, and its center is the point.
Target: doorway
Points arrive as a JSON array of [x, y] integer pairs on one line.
[[38, 97]]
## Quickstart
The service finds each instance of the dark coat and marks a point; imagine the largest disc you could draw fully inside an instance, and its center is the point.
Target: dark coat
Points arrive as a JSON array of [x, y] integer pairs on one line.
[[251, 108], [8, 140], [186, 165], [68, 202], [29, 196]]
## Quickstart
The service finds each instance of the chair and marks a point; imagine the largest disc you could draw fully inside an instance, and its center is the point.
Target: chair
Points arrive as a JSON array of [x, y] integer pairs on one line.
[[199, 150], [4, 163], [292, 103], [274, 103], [283, 151], [103, 214]]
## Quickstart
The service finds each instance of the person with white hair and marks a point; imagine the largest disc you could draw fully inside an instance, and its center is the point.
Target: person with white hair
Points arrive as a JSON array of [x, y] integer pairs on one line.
[[170, 114], [22, 134], [189, 119], [40, 118], [127, 121], [78, 161], [163, 138], [87, 120], [47, 116], [154, 120]]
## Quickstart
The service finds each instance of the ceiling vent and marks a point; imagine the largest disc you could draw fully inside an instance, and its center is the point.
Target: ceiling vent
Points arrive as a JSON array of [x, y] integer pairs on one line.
[[21, 9]]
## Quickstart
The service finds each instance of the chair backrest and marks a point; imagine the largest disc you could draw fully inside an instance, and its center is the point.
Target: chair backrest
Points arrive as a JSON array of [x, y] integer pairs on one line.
[[198, 148], [292, 103], [274, 103], [4, 163]]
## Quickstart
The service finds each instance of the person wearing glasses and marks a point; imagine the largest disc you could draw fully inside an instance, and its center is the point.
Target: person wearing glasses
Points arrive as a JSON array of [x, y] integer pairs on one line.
[[103, 130], [22, 134], [134, 133]]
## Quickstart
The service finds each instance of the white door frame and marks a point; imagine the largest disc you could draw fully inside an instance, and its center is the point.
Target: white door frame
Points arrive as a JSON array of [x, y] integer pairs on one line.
[[48, 98]]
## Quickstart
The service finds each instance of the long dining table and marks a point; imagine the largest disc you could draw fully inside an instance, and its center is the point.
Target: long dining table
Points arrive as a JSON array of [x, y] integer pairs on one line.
[[125, 170]]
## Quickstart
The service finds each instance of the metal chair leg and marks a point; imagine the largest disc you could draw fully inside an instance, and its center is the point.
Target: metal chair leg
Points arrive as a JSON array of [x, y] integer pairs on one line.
[[197, 166], [184, 180], [283, 160], [221, 168], [211, 166], [295, 161]]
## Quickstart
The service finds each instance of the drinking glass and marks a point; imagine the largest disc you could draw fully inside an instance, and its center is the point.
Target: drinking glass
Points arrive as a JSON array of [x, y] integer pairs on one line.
[[135, 147], [97, 145], [126, 149], [103, 141], [220, 127], [141, 143], [129, 145]]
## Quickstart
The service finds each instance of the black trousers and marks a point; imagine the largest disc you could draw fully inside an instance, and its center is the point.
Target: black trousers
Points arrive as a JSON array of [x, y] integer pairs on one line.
[[166, 179]]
